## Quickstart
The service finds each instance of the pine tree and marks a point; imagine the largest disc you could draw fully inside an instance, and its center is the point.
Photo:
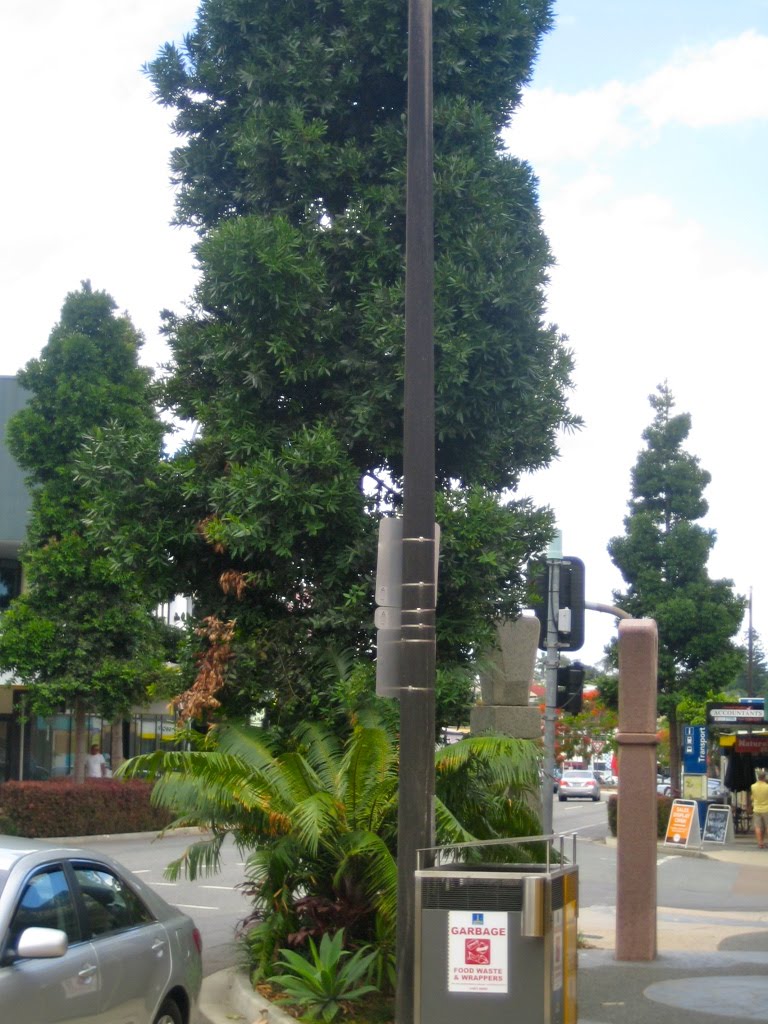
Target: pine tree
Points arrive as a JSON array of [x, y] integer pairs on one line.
[[663, 558], [752, 681]]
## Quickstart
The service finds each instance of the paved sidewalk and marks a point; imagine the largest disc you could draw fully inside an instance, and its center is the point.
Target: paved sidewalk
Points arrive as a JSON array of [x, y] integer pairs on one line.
[[711, 968]]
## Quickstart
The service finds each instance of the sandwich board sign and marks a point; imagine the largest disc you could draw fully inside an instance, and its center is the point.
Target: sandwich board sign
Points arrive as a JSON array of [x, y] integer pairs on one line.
[[718, 828], [683, 826]]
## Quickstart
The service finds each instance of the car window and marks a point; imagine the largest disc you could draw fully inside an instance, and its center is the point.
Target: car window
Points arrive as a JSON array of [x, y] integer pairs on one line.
[[46, 902], [110, 904]]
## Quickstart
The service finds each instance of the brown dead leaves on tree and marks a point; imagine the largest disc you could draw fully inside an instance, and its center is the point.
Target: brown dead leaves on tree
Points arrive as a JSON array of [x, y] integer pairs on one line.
[[200, 698]]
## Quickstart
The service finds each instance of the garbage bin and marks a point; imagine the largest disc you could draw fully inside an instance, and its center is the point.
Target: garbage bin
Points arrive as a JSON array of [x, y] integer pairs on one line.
[[496, 942]]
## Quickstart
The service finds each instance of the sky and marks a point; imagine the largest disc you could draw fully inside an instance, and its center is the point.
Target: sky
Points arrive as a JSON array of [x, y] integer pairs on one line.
[[647, 127]]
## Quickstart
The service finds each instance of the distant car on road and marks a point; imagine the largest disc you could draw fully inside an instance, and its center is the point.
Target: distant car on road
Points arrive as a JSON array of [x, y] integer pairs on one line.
[[83, 939], [605, 778], [715, 787], [581, 783], [663, 786]]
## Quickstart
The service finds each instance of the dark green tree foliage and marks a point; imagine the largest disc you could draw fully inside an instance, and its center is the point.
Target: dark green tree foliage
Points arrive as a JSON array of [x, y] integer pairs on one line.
[[752, 681], [663, 558], [82, 633], [292, 168]]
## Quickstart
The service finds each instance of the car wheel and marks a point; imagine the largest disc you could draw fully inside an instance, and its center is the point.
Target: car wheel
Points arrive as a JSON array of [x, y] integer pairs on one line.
[[562, 799], [169, 1013], [595, 798]]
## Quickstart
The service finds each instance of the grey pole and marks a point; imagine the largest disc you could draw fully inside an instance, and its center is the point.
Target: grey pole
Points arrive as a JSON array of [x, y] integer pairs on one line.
[[415, 828], [550, 708]]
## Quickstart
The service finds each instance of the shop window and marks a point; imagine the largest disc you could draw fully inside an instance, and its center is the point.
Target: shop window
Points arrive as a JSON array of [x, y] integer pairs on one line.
[[10, 581]]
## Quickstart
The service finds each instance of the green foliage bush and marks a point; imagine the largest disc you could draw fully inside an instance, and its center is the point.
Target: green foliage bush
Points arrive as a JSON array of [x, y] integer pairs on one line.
[[663, 808], [40, 810]]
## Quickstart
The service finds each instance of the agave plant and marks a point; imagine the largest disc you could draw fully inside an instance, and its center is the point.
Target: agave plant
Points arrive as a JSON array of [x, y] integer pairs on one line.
[[321, 982], [316, 822]]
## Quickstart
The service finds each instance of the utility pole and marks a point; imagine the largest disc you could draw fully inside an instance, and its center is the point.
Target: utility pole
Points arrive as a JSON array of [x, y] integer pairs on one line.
[[550, 704], [750, 658], [415, 826]]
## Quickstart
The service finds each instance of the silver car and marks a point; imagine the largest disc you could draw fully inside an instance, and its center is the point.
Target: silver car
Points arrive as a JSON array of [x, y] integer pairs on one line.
[[578, 783], [83, 940]]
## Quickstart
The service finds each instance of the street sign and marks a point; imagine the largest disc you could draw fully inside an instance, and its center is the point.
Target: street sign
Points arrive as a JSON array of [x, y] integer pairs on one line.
[[695, 749]]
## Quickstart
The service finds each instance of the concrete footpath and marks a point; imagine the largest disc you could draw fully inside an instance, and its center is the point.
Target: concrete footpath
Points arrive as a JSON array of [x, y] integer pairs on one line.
[[711, 968]]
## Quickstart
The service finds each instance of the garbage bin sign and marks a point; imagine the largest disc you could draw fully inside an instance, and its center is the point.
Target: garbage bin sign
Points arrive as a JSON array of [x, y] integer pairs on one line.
[[477, 951]]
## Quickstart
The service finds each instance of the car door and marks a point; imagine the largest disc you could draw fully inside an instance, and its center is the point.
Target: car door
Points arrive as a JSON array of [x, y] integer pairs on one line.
[[56, 989], [132, 948]]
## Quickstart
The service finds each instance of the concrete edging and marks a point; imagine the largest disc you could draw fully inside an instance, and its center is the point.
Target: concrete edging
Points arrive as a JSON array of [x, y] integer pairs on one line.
[[228, 996]]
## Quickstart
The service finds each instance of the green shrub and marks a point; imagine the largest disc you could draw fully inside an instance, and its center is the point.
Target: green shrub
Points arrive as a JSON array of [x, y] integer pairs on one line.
[[40, 810], [663, 808]]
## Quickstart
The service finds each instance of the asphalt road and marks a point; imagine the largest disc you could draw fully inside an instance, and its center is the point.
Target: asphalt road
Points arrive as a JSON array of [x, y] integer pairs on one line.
[[218, 906], [215, 902]]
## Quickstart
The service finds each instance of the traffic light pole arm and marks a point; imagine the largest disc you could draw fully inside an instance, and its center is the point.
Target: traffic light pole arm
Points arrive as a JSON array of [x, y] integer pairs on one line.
[[609, 609]]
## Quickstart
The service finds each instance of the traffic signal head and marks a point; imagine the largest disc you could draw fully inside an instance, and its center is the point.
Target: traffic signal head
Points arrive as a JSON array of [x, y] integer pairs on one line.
[[570, 688], [568, 611]]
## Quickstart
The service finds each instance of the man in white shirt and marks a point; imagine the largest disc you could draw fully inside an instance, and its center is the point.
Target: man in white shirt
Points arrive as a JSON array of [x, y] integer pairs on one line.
[[95, 765]]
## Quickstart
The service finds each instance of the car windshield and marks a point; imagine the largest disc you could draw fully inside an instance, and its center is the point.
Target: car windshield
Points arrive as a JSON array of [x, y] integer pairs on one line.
[[578, 775]]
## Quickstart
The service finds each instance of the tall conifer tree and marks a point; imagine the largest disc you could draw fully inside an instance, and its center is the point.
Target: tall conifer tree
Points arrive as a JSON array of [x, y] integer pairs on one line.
[[82, 633], [663, 558]]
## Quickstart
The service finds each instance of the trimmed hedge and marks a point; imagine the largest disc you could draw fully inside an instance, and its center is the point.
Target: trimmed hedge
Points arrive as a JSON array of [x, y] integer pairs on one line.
[[39, 810], [663, 809]]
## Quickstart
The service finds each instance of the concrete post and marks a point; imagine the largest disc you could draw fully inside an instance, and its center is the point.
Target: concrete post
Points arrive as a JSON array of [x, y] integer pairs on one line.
[[506, 681], [637, 839]]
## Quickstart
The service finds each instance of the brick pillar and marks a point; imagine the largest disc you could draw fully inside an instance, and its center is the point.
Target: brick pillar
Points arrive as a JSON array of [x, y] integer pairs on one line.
[[637, 839]]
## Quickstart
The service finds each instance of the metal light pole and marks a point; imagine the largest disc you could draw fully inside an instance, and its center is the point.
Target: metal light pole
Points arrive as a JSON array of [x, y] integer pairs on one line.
[[550, 700], [415, 828]]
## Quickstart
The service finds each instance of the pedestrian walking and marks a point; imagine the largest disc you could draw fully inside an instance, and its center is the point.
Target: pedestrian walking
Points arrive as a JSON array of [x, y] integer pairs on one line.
[[759, 790]]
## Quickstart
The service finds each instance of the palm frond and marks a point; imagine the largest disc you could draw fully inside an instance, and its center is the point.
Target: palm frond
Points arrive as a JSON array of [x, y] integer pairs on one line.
[[322, 751], [247, 743], [317, 816], [368, 760], [201, 858], [379, 874], [448, 828], [504, 760]]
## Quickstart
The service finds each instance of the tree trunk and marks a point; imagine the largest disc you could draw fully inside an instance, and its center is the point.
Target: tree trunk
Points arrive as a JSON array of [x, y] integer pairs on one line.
[[116, 745], [675, 764], [81, 740]]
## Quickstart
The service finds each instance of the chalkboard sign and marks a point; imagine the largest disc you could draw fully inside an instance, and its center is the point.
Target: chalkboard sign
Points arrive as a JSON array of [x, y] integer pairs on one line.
[[717, 827]]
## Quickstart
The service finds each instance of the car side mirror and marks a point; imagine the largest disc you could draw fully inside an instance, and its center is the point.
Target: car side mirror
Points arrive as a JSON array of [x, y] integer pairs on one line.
[[42, 944]]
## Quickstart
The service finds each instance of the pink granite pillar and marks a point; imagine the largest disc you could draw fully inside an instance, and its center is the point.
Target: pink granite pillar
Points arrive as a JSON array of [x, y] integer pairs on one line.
[[637, 840]]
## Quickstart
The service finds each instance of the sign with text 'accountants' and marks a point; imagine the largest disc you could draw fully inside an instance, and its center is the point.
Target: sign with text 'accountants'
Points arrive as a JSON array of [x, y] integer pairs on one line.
[[477, 951], [722, 713]]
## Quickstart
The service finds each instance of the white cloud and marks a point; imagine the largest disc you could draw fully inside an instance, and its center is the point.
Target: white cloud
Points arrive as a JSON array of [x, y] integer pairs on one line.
[[84, 184], [553, 126], [725, 83]]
